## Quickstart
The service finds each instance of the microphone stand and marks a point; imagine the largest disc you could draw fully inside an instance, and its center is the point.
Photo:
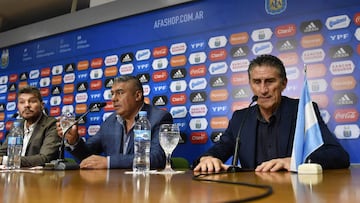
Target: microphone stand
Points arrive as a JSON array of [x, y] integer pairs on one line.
[[234, 168], [61, 163]]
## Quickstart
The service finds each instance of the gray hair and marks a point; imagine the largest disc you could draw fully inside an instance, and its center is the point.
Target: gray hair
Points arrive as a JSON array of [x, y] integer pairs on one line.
[[271, 61]]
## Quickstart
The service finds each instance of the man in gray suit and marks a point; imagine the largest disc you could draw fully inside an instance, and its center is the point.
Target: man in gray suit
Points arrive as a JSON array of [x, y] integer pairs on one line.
[[41, 142]]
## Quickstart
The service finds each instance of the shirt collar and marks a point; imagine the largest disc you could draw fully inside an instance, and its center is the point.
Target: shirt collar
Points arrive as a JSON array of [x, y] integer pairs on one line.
[[32, 126], [121, 120], [275, 114]]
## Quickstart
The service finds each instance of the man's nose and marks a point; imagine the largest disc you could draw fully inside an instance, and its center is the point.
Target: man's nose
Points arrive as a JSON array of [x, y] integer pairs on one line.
[[264, 88]]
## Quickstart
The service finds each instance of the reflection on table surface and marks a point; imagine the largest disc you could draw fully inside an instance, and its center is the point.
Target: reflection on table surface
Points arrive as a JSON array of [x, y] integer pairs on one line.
[[116, 186]]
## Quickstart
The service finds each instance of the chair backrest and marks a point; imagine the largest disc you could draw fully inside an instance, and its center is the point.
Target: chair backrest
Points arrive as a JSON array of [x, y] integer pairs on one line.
[[179, 163]]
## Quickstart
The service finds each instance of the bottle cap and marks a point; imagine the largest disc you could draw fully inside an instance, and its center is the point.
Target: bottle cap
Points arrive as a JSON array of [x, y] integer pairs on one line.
[[16, 124], [142, 113]]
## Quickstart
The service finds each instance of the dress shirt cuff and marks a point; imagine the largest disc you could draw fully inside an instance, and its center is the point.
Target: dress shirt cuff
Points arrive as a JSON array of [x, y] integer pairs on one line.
[[71, 147]]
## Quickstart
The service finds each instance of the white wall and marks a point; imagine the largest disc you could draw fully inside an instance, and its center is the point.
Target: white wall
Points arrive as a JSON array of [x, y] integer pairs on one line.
[[82, 18]]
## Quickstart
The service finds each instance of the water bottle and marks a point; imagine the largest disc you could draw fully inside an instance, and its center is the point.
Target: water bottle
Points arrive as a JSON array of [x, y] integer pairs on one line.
[[142, 140], [15, 143]]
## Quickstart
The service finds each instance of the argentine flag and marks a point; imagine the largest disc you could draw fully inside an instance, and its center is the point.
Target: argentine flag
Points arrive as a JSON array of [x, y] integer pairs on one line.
[[307, 132]]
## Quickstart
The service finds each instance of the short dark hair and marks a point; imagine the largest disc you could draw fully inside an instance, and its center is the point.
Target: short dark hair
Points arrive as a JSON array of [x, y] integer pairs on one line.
[[271, 61], [135, 80], [30, 90]]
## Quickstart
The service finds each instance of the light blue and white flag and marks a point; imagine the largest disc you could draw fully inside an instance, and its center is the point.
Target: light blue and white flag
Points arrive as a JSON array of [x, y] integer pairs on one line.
[[307, 132]]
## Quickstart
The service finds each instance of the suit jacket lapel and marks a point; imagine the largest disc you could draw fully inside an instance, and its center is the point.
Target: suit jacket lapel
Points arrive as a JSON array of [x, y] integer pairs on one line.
[[39, 127], [285, 127]]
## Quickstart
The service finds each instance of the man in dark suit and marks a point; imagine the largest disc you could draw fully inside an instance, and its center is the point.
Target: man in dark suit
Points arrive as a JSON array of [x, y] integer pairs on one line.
[[41, 143], [113, 145], [268, 132]]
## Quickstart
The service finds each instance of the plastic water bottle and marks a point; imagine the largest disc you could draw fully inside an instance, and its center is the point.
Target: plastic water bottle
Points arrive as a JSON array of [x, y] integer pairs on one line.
[[142, 140], [15, 143]]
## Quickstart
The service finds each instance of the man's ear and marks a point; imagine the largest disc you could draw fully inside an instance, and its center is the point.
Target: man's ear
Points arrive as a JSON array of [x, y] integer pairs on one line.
[[138, 95], [42, 106], [284, 84]]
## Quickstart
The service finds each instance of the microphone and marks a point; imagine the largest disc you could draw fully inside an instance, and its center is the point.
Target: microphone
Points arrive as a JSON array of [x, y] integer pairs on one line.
[[61, 163], [93, 108], [234, 168], [15, 115]]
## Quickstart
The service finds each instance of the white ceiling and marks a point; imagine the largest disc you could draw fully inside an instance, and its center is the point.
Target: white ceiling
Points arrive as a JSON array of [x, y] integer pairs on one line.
[[16, 13]]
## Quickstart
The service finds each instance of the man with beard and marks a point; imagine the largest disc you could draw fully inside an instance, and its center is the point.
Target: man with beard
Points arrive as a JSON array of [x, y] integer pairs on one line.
[[41, 142]]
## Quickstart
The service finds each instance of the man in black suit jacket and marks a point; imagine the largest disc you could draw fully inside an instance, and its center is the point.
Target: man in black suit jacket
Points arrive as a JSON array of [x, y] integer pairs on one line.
[[268, 132], [41, 142]]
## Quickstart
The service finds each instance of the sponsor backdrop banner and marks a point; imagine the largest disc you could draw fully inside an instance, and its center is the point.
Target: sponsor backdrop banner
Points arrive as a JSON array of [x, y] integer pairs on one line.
[[192, 60]]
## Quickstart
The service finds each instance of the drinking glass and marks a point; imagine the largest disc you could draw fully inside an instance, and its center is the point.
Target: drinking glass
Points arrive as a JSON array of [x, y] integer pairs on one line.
[[169, 138], [66, 120]]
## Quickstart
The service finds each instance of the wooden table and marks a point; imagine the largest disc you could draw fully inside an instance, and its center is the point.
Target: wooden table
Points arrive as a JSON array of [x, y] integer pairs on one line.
[[108, 186]]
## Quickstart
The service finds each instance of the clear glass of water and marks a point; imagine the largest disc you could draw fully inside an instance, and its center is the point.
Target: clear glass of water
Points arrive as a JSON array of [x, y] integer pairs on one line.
[[67, 118], [169, 137]]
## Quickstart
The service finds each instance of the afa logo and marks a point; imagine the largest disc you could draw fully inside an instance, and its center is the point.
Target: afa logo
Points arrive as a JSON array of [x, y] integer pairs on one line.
[[274, 7], [4, 59]]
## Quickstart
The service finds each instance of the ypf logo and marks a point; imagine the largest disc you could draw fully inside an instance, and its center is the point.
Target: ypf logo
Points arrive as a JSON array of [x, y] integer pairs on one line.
[[219, 109]]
